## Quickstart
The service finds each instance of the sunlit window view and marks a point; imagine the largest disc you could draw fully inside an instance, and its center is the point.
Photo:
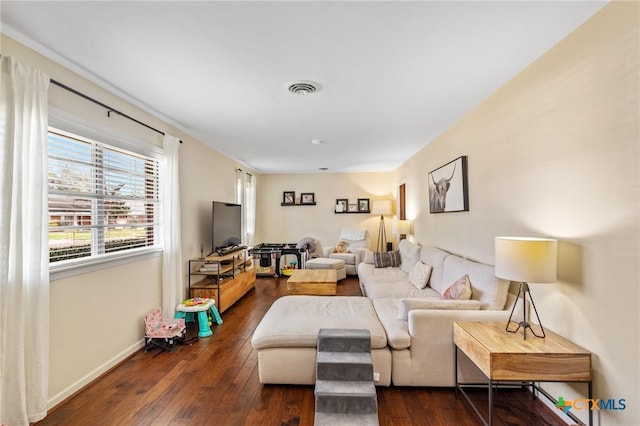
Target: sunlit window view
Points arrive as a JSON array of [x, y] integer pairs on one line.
[[101, 199]]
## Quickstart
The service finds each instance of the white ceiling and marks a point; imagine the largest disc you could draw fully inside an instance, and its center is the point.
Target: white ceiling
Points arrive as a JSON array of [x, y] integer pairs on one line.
[[394, 74]]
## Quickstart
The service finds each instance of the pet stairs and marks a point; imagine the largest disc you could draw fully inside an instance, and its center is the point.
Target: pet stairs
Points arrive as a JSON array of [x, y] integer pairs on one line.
[[345, 392]]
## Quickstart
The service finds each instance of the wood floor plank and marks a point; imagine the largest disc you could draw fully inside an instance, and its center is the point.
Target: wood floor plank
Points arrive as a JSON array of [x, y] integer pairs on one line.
[[215, 381]]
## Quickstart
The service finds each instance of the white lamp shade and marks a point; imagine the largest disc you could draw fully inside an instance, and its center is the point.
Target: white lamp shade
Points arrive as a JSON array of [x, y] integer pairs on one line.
[[400, 227], [381, 207], [531, 260]]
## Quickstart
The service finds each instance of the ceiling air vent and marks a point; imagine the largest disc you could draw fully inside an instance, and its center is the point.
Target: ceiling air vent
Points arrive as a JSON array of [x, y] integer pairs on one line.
[[303, 87]]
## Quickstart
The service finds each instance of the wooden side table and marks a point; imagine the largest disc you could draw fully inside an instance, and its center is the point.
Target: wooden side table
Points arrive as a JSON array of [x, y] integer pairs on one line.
[[507, 357]]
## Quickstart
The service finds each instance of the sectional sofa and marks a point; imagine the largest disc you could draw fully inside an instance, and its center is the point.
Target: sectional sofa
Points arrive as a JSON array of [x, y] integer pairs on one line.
[[411, 326]]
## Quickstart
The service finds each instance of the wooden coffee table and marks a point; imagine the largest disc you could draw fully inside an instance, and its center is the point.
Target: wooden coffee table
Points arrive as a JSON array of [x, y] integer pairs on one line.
[[319, 282]]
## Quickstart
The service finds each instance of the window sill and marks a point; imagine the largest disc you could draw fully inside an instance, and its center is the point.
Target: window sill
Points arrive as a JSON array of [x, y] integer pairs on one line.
[[84, 266]]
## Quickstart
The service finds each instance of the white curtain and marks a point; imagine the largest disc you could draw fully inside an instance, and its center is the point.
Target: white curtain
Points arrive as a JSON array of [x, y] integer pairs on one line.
[[250, 209], [24, 247], [172, 287]]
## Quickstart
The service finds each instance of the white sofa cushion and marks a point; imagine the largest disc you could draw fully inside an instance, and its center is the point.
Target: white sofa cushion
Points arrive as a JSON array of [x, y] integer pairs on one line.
[[485, 286], [397, 330], [294, 321], [347, 258], [410, 304], [434, 257], [389, 282], [409, 255], [419, 275]]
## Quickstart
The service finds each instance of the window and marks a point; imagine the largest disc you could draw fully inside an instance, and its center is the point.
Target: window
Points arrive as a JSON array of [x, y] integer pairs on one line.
[[102, 199], [246, 195]]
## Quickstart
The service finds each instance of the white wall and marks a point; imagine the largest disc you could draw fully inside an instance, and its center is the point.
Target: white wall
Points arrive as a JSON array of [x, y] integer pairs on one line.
[[96, 319], [289, 224], [555, 153]]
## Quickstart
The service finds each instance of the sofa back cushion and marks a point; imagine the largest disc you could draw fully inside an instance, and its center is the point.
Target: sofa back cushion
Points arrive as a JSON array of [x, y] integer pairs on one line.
[[409, 255], [485, 286], [434, 257]]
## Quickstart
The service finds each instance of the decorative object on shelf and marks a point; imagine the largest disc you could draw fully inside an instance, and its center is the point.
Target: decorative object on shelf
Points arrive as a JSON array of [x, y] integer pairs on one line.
[[353, 208], [525, 260], [401, 228], [448, 187], [341, 205], [288, 197], [381, 207], [307, 198], [363, 205]]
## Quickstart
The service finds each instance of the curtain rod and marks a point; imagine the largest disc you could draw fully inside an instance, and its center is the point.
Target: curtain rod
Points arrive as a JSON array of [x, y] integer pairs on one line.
[[105, 106]]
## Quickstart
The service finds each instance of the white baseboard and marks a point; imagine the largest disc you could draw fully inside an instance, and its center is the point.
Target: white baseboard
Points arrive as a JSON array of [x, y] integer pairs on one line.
[[86, 380]]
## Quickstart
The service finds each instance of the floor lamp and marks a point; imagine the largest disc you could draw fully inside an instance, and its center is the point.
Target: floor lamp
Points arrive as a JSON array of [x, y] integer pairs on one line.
[[381, 207], [525, 260]]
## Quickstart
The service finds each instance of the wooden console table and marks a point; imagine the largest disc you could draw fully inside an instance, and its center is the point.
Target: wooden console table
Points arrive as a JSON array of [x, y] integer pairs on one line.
[[507, 357], [226, 278]]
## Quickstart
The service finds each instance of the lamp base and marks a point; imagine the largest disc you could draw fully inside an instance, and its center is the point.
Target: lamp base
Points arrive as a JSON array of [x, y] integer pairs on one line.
[[524, 324]]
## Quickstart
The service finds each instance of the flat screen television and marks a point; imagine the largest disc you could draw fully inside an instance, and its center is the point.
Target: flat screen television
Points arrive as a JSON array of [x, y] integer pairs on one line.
[[226, 226]]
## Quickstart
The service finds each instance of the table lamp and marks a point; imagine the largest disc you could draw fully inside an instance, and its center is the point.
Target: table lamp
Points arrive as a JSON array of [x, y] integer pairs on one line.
[[381, 207], [401, 228], [525, 260]]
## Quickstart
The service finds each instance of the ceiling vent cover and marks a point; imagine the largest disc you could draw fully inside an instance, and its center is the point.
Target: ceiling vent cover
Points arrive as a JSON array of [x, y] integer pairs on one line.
[[303, 87]]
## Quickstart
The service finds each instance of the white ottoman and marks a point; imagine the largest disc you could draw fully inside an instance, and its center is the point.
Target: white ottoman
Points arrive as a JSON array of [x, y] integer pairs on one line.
[[326, 263], [286, 338]]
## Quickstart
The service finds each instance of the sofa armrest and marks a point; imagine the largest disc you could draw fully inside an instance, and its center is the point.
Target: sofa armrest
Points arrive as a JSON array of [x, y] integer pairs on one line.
[[431, 354], [326, 251], [360, 254]]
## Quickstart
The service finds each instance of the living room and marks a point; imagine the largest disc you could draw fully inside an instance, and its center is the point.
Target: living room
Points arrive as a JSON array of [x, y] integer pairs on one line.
[[552, 153]]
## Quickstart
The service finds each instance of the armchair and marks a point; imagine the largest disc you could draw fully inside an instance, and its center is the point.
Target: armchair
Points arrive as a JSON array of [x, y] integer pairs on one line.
[[356, 242]]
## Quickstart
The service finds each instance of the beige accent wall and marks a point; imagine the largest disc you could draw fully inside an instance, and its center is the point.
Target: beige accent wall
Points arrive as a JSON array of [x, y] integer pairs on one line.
[[289, 224], [96, 319], [555, 153]]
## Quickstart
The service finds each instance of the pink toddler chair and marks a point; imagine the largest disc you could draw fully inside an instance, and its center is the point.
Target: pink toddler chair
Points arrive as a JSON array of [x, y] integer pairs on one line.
[[162, 332]]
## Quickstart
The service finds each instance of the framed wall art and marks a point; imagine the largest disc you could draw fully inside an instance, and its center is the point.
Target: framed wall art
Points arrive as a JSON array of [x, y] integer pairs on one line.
[[363, 205], [341, 205], [289, 197], [448, 187], [307, 198]]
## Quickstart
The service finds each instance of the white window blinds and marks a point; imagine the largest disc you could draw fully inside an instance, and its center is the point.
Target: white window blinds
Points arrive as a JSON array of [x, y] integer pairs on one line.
[[102, 199]]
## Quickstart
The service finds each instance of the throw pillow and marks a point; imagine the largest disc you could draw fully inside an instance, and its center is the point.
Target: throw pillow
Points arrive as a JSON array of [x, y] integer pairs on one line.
[[368, 257], [409, 255], [419, 275], [386, 259], [407, 305], [460, 290]]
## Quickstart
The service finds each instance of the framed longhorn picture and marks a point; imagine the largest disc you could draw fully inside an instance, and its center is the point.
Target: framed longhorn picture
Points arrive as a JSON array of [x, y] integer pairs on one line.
[[448, 187]]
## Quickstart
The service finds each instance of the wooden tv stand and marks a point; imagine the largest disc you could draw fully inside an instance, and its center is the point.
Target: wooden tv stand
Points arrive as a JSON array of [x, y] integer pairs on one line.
[[226, 278]]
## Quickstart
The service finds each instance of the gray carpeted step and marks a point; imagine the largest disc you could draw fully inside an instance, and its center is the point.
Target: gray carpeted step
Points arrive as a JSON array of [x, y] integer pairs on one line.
[[344, 366], [332, 419], [337, 396], [344, 340]]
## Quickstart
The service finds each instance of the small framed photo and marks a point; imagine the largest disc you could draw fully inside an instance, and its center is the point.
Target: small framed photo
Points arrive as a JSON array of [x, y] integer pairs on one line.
[[341, 205], [289, 197], [307, 198], [353, 208], [363, 205]]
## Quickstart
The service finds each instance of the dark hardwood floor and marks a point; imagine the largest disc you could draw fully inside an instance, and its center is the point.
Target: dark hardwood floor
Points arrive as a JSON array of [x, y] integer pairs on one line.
[[215, 382]]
